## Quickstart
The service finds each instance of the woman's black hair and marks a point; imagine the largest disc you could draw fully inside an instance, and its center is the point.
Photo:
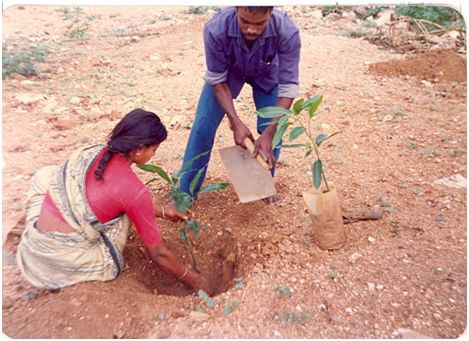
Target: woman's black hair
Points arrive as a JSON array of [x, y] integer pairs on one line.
[[139, 128]]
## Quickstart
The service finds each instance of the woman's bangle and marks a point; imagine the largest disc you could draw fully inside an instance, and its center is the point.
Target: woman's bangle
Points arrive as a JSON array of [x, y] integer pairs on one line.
[[162, 210], [184, 274]]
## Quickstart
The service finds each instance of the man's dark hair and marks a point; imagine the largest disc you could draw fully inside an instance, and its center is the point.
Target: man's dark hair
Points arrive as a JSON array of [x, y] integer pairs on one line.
[[139, 128], [258, 9]]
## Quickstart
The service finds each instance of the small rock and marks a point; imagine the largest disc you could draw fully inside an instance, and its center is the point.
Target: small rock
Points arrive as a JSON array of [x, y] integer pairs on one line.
[[371, 286], [405, 333], [199, 316], [75, 100], [27, 83], [354, 257], [454, 181], [277, 333], [29, 296], [65, 124], [29, 98], [371, 239], [348, 310], [380, 287], [426, 83]]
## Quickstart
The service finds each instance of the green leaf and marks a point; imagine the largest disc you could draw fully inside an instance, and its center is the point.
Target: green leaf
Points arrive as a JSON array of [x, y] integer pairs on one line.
[[227, 309], [323, 137], [271, 112], [317, 173], [213, 187], [195, 181], [202, 294], [188, 163], [320, 139], [294, 145], [296, 132], [298, 106], [312, 104], [194, 226], [279, 134], [157, 170], [182, 199], [183, 234], [208, 301]]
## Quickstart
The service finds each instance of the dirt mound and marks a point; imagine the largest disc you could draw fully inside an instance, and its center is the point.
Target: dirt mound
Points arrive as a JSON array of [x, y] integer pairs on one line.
[[439, 64]]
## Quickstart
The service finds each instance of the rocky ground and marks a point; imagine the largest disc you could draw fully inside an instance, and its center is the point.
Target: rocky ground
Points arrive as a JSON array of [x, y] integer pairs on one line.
[[400, 107]]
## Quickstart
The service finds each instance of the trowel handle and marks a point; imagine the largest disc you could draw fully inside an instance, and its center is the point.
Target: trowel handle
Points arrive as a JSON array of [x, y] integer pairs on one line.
[[259, 158]]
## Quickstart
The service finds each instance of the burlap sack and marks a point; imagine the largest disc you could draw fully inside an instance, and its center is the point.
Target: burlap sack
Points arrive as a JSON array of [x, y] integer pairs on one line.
[[326, 217]]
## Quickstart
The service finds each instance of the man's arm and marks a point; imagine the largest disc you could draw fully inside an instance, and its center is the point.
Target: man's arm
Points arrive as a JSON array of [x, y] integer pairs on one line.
[[288, 89], [225, 99]]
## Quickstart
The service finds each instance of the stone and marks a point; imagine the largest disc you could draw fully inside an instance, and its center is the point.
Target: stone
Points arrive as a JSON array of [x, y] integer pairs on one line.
[[371, 286], [27, 83], [29, 98], [75, 100], [454, 181], [405, 333], [354, 257], [199, 316]]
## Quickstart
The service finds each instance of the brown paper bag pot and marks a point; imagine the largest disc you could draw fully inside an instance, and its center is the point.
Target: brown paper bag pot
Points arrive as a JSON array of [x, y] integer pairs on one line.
[[326, 217]]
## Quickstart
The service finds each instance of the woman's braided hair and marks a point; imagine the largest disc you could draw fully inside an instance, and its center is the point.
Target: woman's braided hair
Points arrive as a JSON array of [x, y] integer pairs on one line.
[[139, 128]]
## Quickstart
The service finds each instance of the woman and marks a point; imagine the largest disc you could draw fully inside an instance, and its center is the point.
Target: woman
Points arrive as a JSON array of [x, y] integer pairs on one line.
[[79, 213]]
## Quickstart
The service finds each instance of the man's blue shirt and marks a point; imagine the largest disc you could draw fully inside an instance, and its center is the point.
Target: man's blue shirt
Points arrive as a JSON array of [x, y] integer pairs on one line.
[[272, 60]]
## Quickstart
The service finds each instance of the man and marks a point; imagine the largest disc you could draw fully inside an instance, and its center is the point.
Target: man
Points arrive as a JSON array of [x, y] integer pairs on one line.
[[256, 45]]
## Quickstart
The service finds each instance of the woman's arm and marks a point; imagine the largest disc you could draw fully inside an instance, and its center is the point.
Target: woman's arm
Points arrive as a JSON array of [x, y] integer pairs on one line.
[[171, 264]]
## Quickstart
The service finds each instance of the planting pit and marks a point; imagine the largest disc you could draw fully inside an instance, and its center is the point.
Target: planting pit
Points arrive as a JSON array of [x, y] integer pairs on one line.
[[216, 259]]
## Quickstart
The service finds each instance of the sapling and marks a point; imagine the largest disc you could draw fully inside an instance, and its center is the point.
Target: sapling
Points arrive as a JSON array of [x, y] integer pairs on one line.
[[300, 118], [183, 200]]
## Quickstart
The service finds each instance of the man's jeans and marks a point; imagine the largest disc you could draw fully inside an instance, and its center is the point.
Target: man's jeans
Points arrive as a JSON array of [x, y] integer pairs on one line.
[[208, 117]]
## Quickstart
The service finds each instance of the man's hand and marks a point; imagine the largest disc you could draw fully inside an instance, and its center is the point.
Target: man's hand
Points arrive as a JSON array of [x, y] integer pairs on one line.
[[240, 133], [263, 147]]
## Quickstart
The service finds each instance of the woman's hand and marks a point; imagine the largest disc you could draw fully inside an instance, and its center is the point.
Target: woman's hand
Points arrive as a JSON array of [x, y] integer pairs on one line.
[[171, 213]]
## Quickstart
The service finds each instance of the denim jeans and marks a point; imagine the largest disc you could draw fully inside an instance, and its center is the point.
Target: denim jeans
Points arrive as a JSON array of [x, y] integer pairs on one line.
[[208, 117]]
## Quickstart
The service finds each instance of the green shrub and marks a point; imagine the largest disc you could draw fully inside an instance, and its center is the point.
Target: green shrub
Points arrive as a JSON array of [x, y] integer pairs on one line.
[[202, 9], [22, 60], [78, 22], [443, 16]]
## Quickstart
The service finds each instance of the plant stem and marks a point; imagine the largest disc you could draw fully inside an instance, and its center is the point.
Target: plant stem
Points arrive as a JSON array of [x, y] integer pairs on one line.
[[316, 150], [191, 252]]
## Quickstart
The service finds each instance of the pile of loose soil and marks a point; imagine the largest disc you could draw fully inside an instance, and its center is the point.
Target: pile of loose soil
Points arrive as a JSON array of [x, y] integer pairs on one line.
[[445, 65]]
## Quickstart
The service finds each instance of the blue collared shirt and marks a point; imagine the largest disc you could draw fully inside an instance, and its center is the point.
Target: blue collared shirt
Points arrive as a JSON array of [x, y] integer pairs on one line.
[[272, 60]]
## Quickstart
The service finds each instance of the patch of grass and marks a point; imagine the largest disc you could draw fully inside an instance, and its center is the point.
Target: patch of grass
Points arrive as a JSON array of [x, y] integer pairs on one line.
[[21, 60], [198, 10], [294, 317], [78, 22], [444, 16], [283, 292]]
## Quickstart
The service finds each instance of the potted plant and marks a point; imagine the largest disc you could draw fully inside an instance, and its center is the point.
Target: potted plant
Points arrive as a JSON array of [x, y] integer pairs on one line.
[[322, 199]]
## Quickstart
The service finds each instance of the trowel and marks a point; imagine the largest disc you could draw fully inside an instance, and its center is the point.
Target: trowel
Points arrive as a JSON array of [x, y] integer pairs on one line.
[[250, 176]]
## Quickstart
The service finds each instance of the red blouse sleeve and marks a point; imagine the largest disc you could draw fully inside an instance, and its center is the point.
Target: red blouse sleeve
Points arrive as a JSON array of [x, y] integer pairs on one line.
[[142, 215]]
